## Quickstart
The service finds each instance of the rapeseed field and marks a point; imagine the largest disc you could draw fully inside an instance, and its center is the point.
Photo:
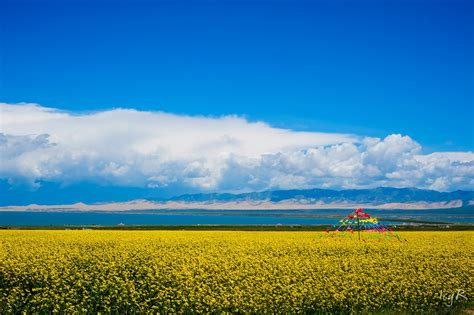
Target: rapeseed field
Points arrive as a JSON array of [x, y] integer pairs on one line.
[[232, 271]]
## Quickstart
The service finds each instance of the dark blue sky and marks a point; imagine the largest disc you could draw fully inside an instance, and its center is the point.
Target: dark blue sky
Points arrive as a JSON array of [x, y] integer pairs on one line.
[[364, 67]]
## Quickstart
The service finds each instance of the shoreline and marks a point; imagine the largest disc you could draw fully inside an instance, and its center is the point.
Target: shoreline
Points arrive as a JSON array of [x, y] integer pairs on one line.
[[222, 227]]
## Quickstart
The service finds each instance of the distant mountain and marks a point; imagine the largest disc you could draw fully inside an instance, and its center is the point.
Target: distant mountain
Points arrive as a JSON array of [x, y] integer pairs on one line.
[[49, 195], [379, 195], [378, 198]]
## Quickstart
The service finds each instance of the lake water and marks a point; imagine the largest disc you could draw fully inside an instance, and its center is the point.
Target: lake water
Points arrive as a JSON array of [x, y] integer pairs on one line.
[[221, 217]]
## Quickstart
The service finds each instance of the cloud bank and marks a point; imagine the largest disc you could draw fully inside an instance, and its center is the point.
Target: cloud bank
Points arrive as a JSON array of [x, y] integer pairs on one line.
[[124, 147]]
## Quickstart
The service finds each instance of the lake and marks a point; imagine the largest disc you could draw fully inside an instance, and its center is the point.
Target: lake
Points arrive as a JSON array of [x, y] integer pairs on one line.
[[222, 217]]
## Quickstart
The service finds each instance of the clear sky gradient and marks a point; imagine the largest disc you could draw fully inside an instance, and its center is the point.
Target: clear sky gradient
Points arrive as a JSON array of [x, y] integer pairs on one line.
[[362, 67]]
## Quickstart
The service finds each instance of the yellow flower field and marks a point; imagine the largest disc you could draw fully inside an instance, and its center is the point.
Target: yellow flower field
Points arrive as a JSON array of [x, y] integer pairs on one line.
[[227, 271]]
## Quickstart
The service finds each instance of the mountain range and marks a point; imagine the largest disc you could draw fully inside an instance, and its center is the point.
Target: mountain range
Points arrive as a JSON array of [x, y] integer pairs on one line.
[[382, 197], [376, 196]]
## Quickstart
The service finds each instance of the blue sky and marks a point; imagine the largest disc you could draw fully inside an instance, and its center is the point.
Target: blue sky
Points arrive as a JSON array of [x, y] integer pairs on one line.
[[372, 67], [350, 69]]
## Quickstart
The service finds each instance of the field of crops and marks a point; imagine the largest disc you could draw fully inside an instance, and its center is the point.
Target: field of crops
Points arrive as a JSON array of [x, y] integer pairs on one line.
[[232, 271]]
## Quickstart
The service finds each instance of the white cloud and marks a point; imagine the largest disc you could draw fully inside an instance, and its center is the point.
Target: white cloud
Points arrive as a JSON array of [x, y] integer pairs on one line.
[[153, 149]]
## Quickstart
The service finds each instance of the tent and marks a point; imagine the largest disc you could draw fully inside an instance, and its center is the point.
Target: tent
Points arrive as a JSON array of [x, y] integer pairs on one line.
[[360, 221]]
